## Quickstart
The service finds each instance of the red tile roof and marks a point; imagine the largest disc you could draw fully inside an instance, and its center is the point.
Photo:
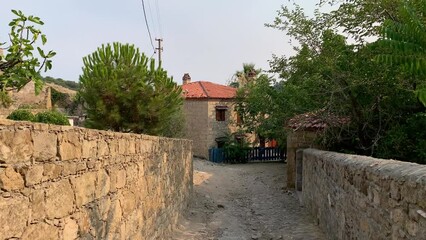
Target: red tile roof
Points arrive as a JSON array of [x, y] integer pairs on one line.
[[317, 120], [205, 90]]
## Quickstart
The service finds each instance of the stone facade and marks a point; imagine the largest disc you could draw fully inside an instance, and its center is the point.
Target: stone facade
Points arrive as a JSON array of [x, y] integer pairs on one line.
[[61, 182], [201, 125], [27, 97], [357, 197]]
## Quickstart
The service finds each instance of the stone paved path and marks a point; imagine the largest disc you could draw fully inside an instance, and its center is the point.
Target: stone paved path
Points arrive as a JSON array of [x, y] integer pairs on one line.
[[249, 201]]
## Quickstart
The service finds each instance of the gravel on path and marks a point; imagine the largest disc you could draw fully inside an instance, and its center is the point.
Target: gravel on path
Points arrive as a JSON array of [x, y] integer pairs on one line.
[[244, 201]]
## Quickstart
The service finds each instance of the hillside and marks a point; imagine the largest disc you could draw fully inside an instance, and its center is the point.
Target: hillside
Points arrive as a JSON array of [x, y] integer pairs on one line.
[[61, 82]]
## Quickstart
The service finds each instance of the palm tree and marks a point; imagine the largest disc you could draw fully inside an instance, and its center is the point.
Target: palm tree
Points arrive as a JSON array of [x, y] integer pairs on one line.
[[247, 75]]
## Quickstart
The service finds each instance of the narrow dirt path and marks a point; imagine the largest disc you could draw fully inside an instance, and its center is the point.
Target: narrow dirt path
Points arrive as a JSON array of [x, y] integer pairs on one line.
[[247, 201]]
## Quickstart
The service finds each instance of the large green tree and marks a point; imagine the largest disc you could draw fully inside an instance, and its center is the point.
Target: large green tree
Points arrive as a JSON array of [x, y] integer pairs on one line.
[[123, 90], [19, 63], [330, 76]]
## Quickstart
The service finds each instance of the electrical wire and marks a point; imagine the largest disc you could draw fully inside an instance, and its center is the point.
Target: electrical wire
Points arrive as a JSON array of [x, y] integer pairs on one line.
[[147, 25], [151, 18], [158, 18]]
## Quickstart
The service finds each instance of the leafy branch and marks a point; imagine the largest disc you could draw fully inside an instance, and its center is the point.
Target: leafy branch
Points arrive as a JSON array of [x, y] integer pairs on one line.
[[19, 65]]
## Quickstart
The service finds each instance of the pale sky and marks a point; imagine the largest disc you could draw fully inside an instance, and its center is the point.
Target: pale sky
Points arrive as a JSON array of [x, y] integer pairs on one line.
[[210, 40]]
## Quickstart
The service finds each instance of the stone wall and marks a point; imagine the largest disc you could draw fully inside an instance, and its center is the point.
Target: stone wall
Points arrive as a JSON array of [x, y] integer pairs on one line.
[[357, 197], [296, 140], [61, 182]]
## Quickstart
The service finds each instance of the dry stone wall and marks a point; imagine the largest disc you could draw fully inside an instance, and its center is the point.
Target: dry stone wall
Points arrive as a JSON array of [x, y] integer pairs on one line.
[[61, 182], [297, 140], [357, 197]]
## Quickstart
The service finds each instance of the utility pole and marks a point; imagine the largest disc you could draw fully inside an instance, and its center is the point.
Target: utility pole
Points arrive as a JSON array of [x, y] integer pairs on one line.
[[159, 48]]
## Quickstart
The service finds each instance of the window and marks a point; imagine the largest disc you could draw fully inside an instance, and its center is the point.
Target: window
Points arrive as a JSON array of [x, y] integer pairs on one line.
[[221, 113]]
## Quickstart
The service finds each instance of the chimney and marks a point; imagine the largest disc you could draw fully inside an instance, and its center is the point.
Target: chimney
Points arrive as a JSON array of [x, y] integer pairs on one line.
[[186, 79]]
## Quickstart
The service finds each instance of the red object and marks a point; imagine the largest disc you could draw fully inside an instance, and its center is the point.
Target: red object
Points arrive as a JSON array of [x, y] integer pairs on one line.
[[204, 90], [272, 143]]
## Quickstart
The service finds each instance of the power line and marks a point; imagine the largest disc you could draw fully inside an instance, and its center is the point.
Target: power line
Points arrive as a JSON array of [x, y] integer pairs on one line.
[[147, 26], [151, 18], [158, 17]]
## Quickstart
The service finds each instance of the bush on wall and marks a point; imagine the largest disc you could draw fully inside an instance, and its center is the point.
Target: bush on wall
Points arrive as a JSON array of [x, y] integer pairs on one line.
[[51, 117], [21, 115]]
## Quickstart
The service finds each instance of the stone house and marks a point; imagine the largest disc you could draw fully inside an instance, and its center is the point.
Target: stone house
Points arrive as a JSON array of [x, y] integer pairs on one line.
[[27, 98], [209, 114]]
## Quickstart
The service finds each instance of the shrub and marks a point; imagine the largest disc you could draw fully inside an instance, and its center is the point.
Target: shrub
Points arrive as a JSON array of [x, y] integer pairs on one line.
[[235, 149], [21, 115], [406, 142], [52, 117]]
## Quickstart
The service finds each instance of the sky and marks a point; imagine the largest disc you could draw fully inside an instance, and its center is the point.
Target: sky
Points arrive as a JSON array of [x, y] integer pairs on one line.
[[210, 40]]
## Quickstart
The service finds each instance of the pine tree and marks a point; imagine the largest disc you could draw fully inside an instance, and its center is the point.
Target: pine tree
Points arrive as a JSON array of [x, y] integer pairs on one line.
[[124, 91]]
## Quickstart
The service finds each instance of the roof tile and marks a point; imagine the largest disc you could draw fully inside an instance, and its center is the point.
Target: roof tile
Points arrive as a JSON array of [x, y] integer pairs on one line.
[[204, 90]]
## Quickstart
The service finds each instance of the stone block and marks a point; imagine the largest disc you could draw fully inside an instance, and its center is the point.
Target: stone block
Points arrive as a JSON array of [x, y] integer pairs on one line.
[[104, 206], [103, 184], [84, 187], [33, 174], [118, 179], [14, 213], [398, 215], [45, 146], [128, 202], [59, 199], [69, 168], [70, 146], [15, 146], [114, 218], [89, 149], [412, 227], [131, 172], [113, 147], [122, 146], [131, 148], [10, 180], [103, 149], [83, 221], [38, 204], [40, 231], [70, 231], [52, 171]]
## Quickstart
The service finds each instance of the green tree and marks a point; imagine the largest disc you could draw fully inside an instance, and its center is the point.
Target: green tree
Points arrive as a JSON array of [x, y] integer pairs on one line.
[[407, 38], [258, 106], [123, 91], [342, 79], [19, 65]]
